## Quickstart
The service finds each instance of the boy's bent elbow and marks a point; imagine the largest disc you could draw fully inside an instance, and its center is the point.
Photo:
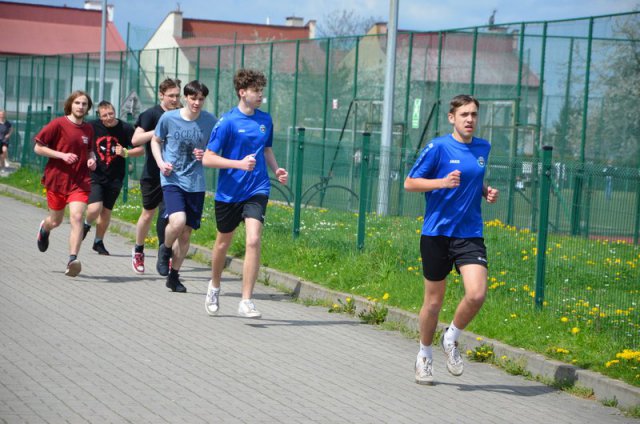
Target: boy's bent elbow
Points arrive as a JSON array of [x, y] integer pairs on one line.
[[409, 184]]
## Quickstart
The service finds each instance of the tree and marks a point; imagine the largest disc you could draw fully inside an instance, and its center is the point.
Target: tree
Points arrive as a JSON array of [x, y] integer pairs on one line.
[[345, 22], [621, 87]]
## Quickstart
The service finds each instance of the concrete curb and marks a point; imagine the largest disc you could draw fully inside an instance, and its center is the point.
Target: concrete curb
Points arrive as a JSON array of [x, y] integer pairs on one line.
[[604, 388]]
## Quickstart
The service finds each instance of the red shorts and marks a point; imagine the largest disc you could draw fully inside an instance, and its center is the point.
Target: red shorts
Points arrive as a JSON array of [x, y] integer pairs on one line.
[[58, 201]]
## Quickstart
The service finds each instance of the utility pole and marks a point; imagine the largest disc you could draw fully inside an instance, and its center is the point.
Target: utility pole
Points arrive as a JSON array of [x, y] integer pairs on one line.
[[103, 49], [387, 110]]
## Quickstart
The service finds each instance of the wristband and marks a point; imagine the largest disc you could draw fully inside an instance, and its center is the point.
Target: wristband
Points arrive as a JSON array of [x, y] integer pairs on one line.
[[125, 153]]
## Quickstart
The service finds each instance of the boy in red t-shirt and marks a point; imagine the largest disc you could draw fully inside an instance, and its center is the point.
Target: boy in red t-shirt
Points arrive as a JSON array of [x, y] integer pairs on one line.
[[66, 141]]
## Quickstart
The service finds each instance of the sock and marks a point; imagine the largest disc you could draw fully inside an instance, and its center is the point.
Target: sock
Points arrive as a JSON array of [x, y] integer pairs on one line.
[[72, 258], [43, 231], [139, 249], [97, 240], [86, 223], [425, 352], [452, 334], [173, 273]]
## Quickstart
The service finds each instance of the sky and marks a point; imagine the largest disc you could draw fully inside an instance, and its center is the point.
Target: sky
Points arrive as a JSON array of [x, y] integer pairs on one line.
[[419, 15]]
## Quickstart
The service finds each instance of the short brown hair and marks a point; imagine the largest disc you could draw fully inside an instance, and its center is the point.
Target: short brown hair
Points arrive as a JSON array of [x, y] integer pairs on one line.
[[248, 78], [169, 83], [105, 104], [461, 100], [72, 97]]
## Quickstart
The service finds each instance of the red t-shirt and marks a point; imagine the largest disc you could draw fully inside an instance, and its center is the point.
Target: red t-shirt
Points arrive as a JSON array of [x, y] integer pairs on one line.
[[67, 137]]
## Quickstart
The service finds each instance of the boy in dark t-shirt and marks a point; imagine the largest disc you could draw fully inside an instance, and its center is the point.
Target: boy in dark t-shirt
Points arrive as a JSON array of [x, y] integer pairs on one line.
[[150, 188], [112, 147]]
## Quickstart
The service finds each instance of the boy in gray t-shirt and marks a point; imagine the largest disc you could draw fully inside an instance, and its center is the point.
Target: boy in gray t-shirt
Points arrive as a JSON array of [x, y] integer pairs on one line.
[[178, 146]]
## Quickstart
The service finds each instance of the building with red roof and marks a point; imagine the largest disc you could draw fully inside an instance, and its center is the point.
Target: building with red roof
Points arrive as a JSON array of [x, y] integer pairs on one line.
[[30, 29]]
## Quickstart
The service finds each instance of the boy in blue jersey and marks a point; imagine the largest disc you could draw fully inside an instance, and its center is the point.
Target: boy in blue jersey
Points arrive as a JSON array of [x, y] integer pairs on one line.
[[178, 146], [240, 146], [450, 171]]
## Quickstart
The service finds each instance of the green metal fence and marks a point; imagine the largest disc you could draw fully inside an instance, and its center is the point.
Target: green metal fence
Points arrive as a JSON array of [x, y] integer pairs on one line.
[[569, 84]]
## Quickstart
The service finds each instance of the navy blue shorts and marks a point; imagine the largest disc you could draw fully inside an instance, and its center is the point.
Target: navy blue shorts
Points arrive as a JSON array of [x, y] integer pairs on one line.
[[440, 253], [178, 200]]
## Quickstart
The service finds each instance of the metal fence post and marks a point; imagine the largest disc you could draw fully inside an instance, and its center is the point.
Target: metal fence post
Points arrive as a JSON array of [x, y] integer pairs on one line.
[[364, 183], [25, 140], [543, 223], [298, 184], [636, 227]]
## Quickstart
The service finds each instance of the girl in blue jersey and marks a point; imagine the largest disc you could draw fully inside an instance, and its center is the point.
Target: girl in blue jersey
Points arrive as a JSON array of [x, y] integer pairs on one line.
[[240, 146], [450, 171]]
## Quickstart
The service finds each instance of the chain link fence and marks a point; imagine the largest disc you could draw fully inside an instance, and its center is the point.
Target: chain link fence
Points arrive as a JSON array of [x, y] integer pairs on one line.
[[569, 84]]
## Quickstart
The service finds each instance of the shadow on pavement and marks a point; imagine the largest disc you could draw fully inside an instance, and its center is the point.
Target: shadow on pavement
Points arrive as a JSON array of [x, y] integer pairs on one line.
[[513, 390]]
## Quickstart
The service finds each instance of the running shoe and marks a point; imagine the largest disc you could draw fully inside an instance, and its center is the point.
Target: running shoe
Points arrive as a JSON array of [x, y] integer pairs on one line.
[[454, 360], [99, 247], [43, 238], [247, 309], [174, 284], [424, 371], [212, 302], [73, 268], [137, 261]]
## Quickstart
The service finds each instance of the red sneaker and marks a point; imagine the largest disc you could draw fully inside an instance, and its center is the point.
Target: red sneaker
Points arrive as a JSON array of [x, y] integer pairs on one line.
[[137, 261]]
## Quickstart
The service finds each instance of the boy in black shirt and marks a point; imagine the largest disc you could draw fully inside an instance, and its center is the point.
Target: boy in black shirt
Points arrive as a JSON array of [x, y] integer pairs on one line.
[[112, 146], [150, 188]]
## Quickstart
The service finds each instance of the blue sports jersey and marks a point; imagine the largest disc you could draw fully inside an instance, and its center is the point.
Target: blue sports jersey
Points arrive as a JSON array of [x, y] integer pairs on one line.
[[235, 136], [453, 212], [180, 137]]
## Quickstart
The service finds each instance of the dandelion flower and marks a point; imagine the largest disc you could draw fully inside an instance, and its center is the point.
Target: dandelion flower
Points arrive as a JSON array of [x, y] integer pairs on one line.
[[575, 330]]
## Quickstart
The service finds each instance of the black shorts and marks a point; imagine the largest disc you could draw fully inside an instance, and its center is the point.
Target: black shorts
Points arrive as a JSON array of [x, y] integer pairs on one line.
[[151, 194], [230, 215], [4, 146], [105, 193], [440, 253]]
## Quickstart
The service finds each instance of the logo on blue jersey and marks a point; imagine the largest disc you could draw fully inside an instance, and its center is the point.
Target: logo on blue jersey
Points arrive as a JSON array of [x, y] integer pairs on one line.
[[263, 129], [481, 162], [454, 161]]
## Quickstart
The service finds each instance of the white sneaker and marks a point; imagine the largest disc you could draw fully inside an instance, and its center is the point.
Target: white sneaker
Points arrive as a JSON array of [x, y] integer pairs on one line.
[[454, 360], [247, 309], [211, 302], [424, 371]]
